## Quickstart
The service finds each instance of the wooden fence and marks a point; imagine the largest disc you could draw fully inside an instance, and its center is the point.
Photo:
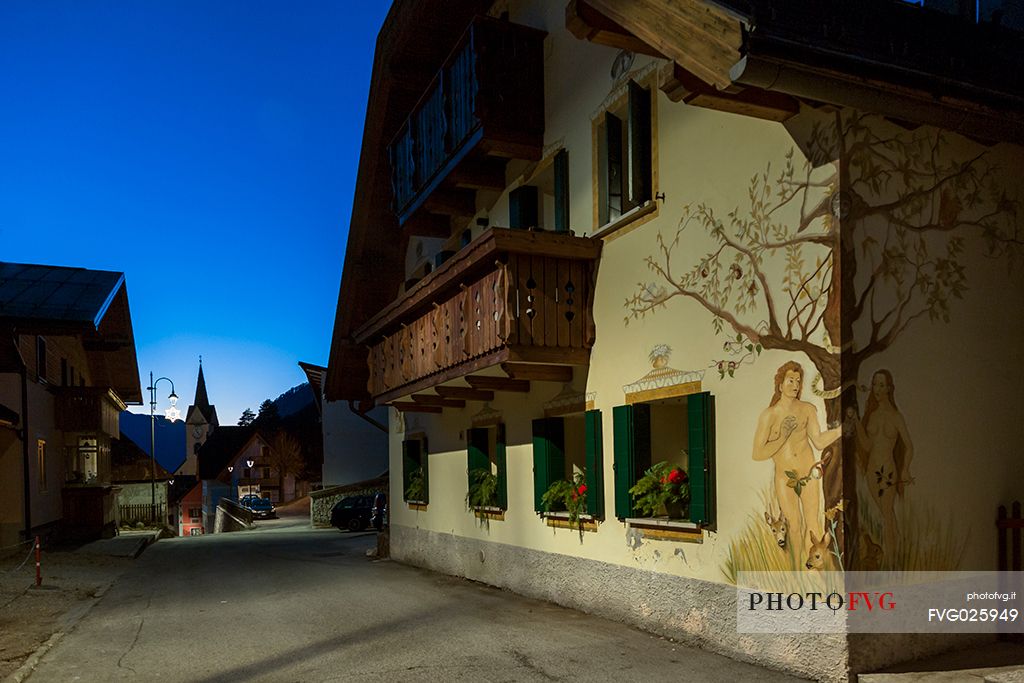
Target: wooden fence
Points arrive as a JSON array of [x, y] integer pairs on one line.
[[146, 513]]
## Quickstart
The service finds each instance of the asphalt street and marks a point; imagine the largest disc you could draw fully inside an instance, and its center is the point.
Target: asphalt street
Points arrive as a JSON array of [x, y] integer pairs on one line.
[[288, 603]]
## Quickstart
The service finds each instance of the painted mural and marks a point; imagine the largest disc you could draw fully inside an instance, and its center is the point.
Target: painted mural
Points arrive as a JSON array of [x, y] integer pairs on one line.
[[789, 434], [857, 236]]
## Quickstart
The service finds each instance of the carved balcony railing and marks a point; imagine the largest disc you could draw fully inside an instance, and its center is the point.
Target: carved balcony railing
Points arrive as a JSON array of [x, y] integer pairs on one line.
[[511, 295], [489, 95], [89, 409]]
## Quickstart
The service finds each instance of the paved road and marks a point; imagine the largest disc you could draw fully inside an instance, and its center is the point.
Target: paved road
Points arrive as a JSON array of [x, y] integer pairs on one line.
[[289, 603]]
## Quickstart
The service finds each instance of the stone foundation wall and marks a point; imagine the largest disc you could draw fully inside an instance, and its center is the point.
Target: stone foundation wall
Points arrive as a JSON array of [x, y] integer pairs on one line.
[[691, 611], [321, 502]]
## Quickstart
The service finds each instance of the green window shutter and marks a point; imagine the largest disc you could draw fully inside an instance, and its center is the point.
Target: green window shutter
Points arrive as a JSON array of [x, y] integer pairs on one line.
[[548, 456], [424, 463], [613, 174], [622, 421], [410, 461], [522, 207], [502, 463], [595, 463], [699, 408], [477, 456], [562, 191], [638, 142]]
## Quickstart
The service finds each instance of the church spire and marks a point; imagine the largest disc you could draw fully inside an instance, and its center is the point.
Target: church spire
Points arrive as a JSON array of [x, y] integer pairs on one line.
[[202, 400]]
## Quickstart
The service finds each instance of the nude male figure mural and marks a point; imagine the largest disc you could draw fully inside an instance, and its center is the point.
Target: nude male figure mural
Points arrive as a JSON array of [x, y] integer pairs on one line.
[[788, 433]]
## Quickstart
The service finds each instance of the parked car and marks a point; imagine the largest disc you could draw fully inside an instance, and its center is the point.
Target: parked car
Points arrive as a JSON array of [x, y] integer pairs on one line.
[[245, 500], [352, 513], [262, 508]]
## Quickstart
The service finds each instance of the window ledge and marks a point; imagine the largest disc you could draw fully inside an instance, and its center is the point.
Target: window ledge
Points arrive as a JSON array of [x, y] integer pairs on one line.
[[560, 520], [417, 505], [489, 512], [625, 219], [667, 529]]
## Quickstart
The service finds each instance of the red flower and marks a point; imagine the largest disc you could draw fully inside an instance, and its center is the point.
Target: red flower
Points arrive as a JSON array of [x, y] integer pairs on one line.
[[582, 489], [677, 476]]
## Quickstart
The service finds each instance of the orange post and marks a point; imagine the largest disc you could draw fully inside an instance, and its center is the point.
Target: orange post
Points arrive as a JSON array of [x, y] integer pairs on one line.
[[39, 575]]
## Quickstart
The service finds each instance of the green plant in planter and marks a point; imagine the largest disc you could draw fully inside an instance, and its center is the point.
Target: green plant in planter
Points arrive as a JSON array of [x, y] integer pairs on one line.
[[662, 486], [416, 490], [567, 496], [483, 489]]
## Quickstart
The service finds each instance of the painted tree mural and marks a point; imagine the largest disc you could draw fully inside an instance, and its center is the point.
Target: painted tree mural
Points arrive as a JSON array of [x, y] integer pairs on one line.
[[866, 221]]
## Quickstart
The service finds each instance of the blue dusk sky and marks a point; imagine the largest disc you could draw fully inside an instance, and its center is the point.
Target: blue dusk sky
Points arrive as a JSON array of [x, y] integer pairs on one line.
[[206, 149]]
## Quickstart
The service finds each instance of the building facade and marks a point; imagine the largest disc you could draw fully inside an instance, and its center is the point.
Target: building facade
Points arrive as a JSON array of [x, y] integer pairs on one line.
[[699, 235], [67, 369]]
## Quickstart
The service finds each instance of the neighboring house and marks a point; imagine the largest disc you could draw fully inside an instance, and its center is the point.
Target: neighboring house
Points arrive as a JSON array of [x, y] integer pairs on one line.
[[355, 443], [213, 458], [67, 369], [144, 486], [237, 461], [593, 236], [190, 512], [200, 423]]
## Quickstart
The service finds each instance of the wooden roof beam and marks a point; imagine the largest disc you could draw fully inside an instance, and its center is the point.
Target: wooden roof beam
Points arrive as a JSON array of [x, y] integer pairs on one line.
[[479, 174], [452, 203], [703, 38], [586, 23], [539, 372], [433, 400], [682, 86], [464, 393], [407, 407], [426, 224], [498, 383]]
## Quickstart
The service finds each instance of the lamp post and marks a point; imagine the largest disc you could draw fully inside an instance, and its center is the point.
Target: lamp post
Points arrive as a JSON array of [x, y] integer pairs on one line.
[[172, 414], [249, 463]]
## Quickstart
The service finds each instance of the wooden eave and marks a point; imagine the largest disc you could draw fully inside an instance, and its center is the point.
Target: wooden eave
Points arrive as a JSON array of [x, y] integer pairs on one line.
[[758, 58], [414, 40], [478, 256]]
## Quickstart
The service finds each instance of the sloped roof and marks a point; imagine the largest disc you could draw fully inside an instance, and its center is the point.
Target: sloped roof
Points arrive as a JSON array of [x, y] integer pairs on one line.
[[39, 299], [56, 293], [222, 446], [128, 462], [315, 375]]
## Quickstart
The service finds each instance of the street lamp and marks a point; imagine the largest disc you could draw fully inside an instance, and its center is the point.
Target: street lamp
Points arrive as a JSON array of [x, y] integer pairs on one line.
[[173, 414]]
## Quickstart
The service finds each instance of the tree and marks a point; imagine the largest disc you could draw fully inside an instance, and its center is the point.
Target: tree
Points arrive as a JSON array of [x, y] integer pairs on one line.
[[285, 457], [268, 416], [902, 204], [247, 418]]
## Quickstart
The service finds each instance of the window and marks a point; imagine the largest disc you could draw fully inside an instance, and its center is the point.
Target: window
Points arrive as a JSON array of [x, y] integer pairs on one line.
[[266, 473], [624, 155], [415, 479], [41, 464], [563, 446], [486, 466], [678, 430], [544, 203], [195, 514], [40, 359]]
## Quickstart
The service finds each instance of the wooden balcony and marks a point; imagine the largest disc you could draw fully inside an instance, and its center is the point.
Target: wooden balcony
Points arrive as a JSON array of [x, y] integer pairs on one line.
[[511, 296], [89, 409], [485, 106]]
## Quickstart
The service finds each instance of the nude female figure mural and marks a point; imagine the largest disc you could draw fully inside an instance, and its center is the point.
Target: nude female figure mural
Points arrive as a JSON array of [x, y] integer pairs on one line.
[[884, 452], [788, 433]]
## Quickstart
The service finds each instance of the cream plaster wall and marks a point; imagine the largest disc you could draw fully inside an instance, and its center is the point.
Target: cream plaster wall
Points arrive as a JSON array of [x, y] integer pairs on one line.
[[700, 156], [958, 383]]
